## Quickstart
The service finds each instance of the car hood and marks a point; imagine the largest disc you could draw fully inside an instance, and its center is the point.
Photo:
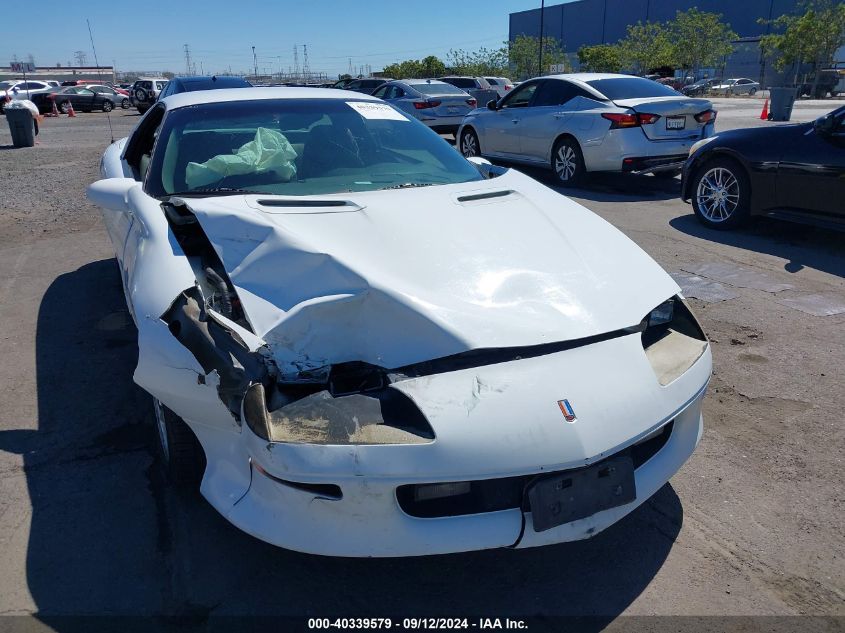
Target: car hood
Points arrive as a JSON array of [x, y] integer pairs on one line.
[[403, 276]]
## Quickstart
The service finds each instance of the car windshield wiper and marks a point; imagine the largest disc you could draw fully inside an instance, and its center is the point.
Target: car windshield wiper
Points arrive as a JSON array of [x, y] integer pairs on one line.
[[212, 191], [408, 185]]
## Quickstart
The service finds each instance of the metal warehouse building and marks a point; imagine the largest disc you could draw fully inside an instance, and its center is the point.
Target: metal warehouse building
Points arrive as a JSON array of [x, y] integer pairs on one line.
[[589, 22]]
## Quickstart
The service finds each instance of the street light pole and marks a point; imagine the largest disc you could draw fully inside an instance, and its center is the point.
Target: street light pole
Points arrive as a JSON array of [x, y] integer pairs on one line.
[[540, 61], [255, 63]]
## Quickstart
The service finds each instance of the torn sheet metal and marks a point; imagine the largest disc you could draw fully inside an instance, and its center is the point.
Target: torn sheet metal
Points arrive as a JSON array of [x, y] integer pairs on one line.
[[403, 277], [697, 287], [817, 305], [737, 276]]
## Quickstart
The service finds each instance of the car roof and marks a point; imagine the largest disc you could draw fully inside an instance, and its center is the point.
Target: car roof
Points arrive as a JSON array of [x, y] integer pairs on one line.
[[199, 97], [411, 82], [210, 82]]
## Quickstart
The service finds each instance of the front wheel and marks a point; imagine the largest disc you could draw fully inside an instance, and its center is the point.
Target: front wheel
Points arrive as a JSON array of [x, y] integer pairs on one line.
[[568, 162], [180, 452], [721, 194], [469, 144], [752, 92], [125, 104], [107, 106], [64, 107]]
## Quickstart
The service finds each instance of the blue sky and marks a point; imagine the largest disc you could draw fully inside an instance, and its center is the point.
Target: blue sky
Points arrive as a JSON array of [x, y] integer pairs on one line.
[[150, 34]]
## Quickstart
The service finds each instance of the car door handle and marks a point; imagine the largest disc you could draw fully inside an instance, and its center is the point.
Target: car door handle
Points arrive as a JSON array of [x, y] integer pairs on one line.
[[514, 120]]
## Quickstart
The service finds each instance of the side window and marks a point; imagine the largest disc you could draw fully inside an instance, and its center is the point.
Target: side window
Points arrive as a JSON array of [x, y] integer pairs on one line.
[[554, 92], [399, 93], [492, 81], [381, 92], [521, 97], [140, 147]]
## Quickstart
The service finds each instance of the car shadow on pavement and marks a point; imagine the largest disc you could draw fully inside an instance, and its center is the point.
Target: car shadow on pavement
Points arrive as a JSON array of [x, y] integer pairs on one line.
[[107, 536], [802, 245], [612, 187]]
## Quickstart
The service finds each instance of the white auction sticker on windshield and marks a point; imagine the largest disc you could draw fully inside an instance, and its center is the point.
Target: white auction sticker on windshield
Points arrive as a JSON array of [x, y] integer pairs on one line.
[[370, 110]]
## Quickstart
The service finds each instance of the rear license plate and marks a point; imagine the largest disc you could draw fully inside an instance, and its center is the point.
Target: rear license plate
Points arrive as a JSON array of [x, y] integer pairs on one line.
[[676, 122], [452, 109], [576, 494]]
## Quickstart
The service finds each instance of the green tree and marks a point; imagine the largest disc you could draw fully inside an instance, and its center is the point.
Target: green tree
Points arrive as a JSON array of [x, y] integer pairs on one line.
[[700, 39], [431, 66], [602, 58], [647, 46], [524, 53], [812, 37], [426, 68], [484, 61]]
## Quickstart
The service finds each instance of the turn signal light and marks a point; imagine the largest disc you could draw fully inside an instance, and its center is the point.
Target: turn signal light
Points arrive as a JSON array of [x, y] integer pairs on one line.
[[648, 119], [706, 116], [424, 105], [471, 103]]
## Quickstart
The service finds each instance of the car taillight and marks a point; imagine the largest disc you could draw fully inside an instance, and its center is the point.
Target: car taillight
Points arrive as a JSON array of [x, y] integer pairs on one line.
[[706, 116], [648, 119], [471, 102], [423, 105], [507, 87], [621, 120]]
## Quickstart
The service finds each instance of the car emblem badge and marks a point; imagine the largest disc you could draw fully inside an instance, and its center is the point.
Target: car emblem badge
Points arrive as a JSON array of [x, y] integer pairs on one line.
[[567, 410]]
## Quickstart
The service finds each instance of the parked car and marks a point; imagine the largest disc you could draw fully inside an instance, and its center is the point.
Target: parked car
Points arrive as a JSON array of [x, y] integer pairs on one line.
[[82, 98], [795, 172], [829, 82], [439, 105], [477, 87], [145, 92], [585, 122], [348, 382], [74, 82], [190, 84], [736, 87], [19, 89], [700, 88], [500, 84], [365, 86], [117, 97], [341, 84]]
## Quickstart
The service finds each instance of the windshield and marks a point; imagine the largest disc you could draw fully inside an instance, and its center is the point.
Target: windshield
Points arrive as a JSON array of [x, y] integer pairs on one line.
[[299, 147], [5, 85], [461, 82], [437, 89], [631, 88]]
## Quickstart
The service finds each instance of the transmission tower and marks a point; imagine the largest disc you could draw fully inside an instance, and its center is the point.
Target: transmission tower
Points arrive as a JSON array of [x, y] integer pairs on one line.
[[295, 60], [306, 69], [188, 66], [350, 70], [81, 57]]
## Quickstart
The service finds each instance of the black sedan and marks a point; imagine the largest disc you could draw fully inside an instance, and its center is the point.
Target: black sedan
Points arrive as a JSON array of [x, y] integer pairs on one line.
[[83, 99], [794, 172]]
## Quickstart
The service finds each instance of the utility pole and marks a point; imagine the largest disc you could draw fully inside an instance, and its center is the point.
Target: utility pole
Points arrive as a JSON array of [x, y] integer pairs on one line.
[[254, 63], [542, 12], [296, 60], [187, 60]]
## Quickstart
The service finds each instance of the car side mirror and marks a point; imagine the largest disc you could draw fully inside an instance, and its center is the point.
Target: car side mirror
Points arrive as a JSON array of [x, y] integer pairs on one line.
[[491, 105], [825, 126], [111, 193]]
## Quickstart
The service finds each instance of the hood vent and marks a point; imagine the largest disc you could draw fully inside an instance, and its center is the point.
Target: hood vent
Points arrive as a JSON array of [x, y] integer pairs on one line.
[[308, 204], [487, 195]]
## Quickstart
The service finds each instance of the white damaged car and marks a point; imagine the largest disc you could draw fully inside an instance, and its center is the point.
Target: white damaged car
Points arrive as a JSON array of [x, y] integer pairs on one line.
[[367, 345]]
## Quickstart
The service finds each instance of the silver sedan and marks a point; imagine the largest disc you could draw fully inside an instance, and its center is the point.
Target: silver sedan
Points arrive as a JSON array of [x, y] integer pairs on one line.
[[578, 123], [439, 105]]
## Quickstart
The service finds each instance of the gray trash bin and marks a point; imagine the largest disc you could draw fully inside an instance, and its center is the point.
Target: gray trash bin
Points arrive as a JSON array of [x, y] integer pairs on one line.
[[21, 126], [781, 102]]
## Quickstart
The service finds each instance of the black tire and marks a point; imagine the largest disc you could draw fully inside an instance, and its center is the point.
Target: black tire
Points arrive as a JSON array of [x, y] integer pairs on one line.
[[125, 103], [140, 95], [728, 207], [64, 107], [108, 106], [179, 450], [568, 163], [752, 92], [468, 144]]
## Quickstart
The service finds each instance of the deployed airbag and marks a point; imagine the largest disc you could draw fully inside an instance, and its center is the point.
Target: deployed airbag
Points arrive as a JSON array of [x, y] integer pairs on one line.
[[270, 151]]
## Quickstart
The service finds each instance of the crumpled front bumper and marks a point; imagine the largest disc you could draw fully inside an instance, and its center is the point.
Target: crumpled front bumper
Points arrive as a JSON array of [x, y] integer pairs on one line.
[[368, 519]]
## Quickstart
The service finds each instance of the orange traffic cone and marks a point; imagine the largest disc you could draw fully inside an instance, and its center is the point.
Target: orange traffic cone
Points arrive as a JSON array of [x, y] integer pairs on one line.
[[55, 111], [764, 115], [70, 111]]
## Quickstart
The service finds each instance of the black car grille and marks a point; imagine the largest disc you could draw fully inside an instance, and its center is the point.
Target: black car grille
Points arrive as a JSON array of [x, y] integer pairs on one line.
[[490, 495]]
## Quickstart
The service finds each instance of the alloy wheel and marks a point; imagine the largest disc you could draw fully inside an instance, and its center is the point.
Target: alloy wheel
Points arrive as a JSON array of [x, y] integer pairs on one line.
[[469, 144], [566, 163], [718, 194]]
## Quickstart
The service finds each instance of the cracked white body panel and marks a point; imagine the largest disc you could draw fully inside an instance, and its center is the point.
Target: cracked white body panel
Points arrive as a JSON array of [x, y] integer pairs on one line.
[[401, 277]]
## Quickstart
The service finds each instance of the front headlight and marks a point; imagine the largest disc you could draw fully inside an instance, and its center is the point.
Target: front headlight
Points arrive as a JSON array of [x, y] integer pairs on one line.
[[699, 144], [672, 339]]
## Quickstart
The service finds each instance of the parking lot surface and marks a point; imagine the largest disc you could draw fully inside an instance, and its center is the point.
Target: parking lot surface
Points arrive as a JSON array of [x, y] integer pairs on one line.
[[751, 525]]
